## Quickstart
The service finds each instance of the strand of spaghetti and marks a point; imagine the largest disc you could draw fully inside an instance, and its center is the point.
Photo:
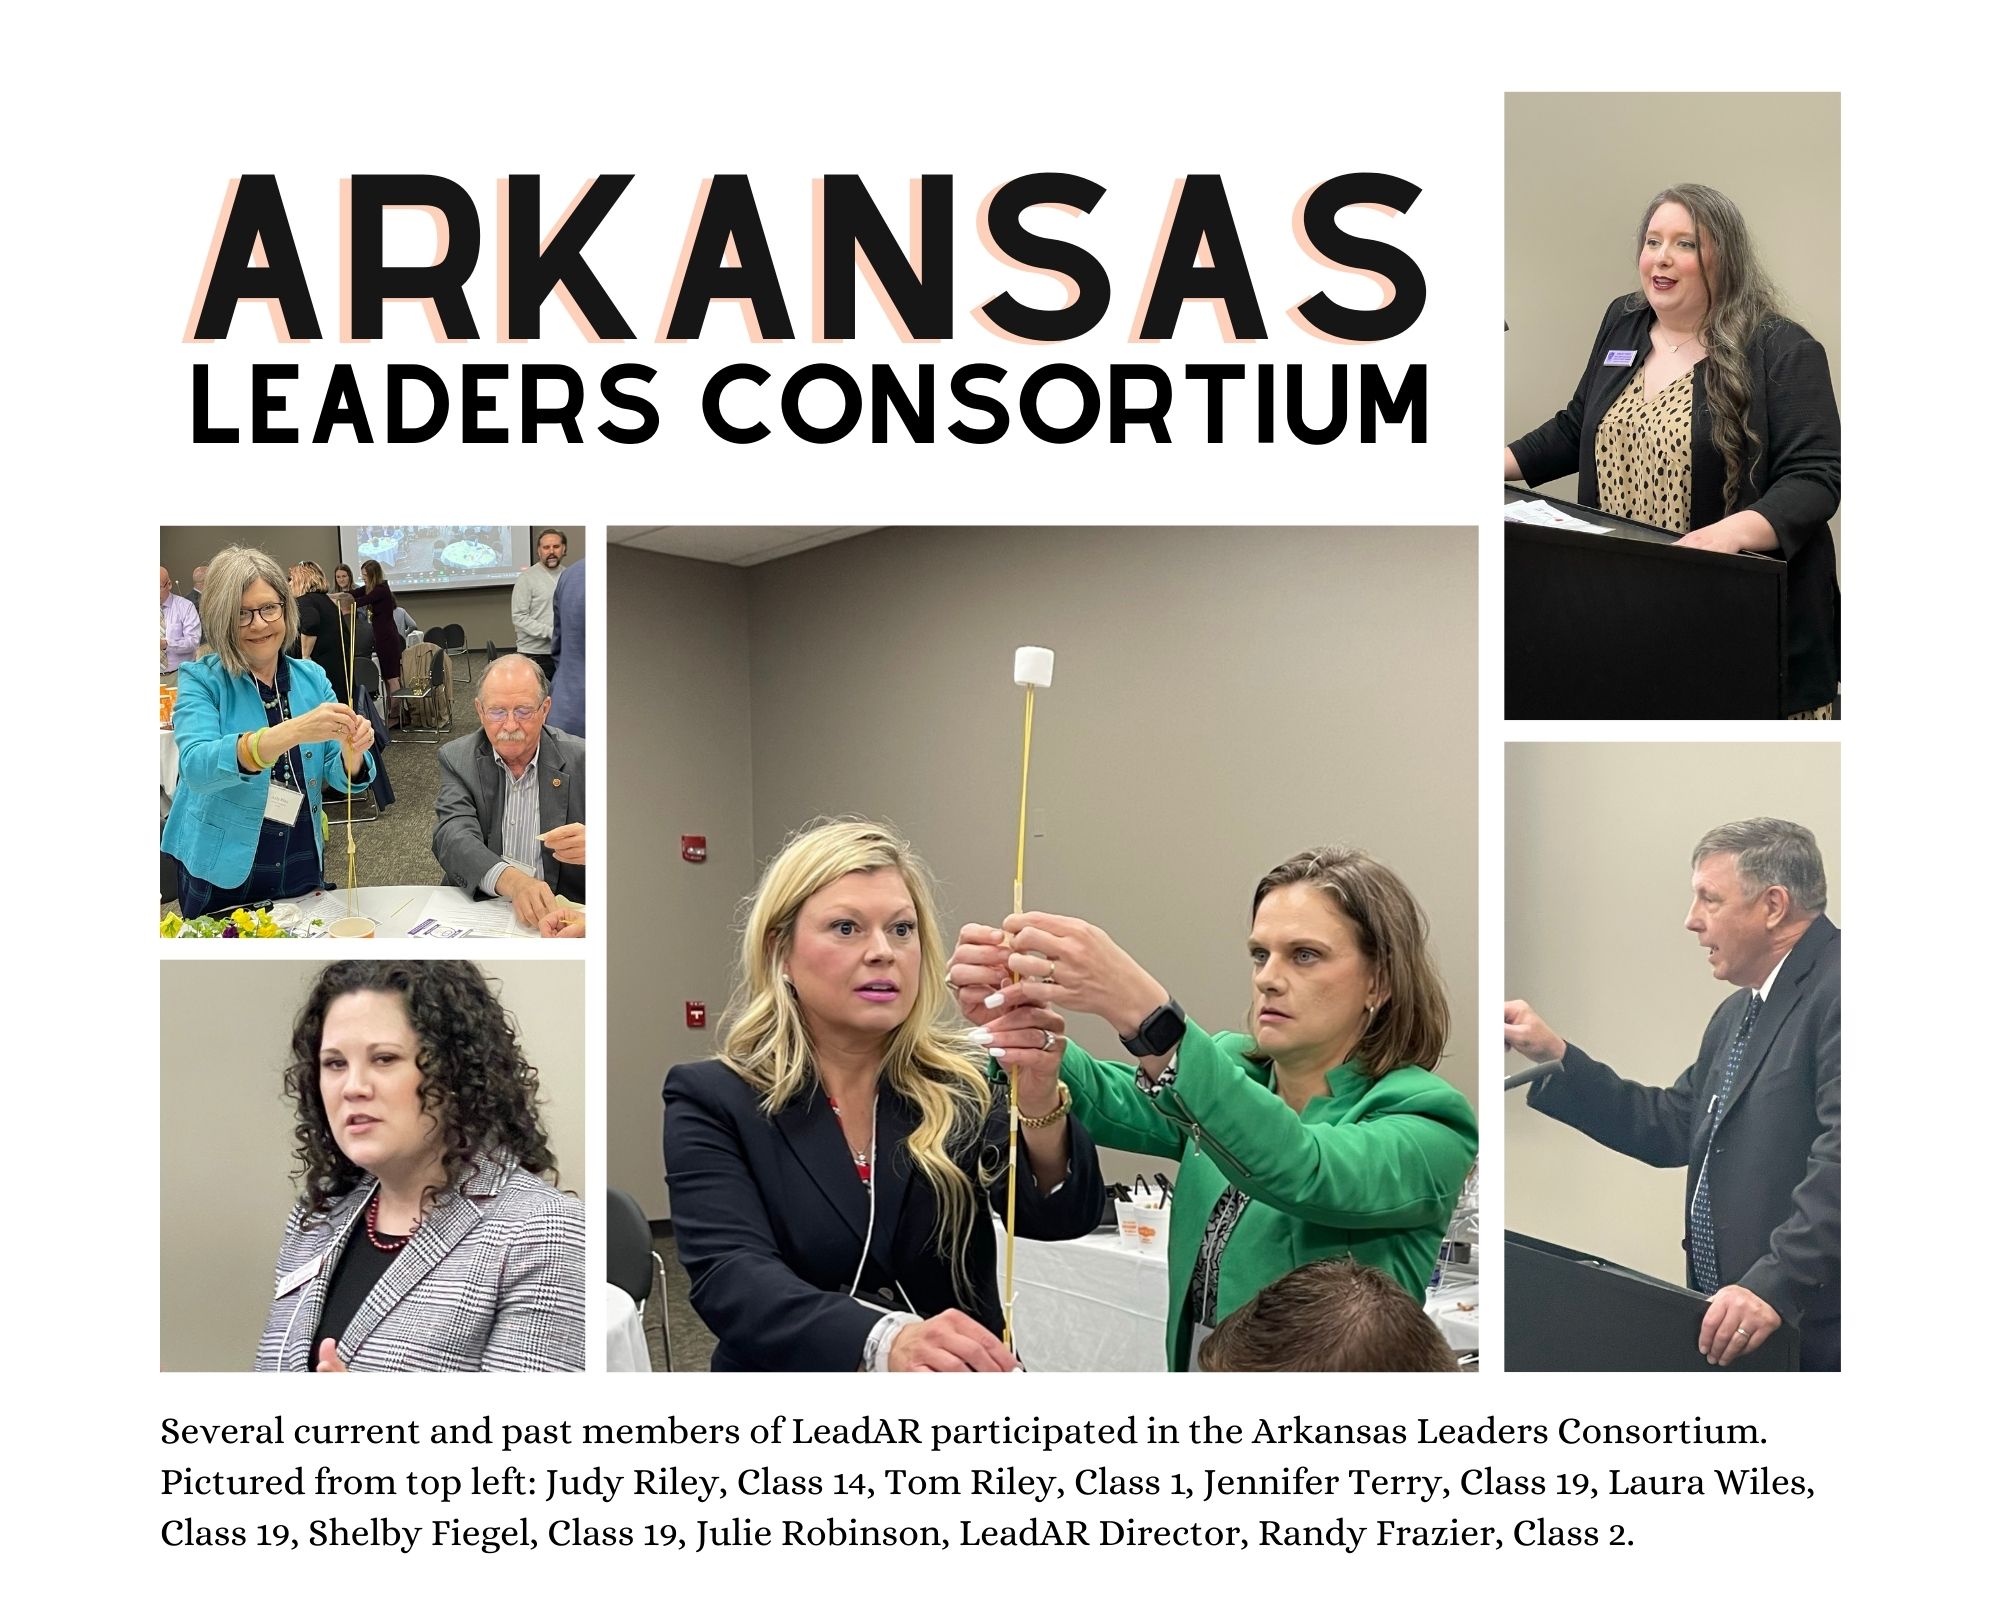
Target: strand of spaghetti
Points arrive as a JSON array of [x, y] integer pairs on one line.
[[1021, 834], [346, 777], [1013, 1084]]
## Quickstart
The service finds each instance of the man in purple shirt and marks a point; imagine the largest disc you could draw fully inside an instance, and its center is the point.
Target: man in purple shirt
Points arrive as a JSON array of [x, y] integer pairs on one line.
[[180, 627]]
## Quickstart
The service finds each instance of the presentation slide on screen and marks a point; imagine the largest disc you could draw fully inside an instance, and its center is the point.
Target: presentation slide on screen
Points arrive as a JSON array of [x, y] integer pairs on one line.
[[439, 556], [1162, 981]]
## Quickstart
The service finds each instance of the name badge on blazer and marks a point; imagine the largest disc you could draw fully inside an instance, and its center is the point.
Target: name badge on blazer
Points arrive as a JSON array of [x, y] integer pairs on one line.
[[1620, 358], [300, 1277], [282, 804]]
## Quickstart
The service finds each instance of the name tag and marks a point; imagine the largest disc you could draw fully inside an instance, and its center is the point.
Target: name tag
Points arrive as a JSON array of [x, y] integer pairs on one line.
[[282, 804], [1620, 358], [300, 1277]]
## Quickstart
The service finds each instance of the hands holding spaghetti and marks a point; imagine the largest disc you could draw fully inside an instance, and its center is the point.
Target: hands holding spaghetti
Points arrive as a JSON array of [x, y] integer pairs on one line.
[[1036, 960]]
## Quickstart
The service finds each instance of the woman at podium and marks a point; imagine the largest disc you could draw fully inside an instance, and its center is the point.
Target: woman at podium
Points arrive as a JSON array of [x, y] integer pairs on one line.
[[1322, 1132], [1704, 411]]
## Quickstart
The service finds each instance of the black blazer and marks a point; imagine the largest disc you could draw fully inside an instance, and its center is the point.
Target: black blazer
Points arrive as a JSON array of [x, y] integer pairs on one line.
[[1774, 1169], [1794, 480], [769, 1220]]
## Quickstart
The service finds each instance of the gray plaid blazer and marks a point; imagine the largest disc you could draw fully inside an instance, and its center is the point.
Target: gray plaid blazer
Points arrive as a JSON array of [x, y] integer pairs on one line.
[[491, 1282]]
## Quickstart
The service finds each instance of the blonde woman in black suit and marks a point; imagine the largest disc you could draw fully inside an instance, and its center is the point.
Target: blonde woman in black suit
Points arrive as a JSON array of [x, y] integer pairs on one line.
[[833, 1173]]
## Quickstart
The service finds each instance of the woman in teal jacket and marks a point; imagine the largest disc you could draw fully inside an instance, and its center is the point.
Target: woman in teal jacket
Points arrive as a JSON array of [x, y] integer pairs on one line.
[[260, 737], [1322, 1132]]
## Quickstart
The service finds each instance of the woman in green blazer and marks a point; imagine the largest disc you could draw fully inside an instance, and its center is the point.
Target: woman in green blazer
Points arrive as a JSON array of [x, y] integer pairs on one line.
[[1322, 1132]]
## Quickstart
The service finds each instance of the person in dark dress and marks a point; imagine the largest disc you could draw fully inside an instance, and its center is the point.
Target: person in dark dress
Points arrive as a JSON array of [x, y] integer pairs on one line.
[[322, 639], [380, 605]]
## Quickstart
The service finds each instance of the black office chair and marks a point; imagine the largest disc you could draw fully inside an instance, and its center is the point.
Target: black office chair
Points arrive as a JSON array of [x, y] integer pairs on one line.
[[454, 647], [634, 1266]]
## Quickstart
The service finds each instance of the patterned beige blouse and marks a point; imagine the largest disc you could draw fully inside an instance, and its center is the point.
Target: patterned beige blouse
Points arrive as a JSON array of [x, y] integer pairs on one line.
[[1645, 454]]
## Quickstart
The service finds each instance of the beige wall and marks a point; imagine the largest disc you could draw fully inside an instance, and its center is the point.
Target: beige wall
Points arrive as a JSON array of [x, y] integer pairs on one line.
[[1598, 837], [226, 1182], [1581, 166], [1223, 698], [483, 613], [678, 756]]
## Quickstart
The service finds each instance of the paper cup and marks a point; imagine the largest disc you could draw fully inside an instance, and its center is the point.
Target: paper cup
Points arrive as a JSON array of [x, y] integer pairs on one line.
[[351, 928], [1142, 1228]]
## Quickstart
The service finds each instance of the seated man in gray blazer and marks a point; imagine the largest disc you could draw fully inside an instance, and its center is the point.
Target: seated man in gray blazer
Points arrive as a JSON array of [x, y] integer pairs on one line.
[[510, 798]]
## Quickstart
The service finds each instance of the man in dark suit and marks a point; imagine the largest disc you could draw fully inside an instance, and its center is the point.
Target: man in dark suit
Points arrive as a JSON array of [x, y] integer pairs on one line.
[[510, 798], [1756, 1119]]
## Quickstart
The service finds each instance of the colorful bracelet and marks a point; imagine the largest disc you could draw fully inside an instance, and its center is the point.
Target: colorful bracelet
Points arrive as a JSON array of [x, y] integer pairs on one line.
[[257, 751]]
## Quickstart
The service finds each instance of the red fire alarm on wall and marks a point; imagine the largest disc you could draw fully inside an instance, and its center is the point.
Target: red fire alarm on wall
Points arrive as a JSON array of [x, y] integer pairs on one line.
[[697, 1014], [694, 847]]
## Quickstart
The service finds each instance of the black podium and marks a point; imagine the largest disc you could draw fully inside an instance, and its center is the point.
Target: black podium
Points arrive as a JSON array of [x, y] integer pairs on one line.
[[1571, 1312], [1627, 623]]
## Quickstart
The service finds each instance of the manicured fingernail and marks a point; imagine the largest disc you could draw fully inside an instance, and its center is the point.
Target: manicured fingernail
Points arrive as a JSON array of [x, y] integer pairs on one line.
[[998, 1055], [996, 999], [982, 1035]]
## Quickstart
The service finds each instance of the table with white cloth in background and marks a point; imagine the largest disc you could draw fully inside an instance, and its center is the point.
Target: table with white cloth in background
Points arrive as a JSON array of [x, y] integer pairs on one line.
[[1096, 1305], [624, 1333]]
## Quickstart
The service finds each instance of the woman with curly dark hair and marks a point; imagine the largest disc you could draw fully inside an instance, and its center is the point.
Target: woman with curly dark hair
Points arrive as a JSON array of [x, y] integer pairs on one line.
[[429, 1236]]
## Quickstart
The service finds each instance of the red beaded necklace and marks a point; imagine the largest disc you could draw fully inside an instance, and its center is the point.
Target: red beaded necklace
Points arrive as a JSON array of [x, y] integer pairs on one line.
[[388, 1244]]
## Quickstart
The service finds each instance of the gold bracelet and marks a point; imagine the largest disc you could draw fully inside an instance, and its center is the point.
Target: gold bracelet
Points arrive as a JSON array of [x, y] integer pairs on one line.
[[1050, 1119]]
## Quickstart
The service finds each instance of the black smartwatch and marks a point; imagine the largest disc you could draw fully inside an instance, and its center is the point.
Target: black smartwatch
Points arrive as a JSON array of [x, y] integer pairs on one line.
[[1161, 1032]]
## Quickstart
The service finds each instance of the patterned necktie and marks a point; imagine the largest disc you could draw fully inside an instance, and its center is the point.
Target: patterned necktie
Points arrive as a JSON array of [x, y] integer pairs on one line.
[[1701, 1218]]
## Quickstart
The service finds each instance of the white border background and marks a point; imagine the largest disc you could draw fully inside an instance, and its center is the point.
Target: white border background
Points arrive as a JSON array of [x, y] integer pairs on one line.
[[126, 129]]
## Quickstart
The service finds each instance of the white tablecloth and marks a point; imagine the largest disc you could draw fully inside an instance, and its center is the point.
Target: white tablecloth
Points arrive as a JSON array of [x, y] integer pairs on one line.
[[1091, 1305], [1088, 1305], [170, 768], [426, 910], [624, 1334]]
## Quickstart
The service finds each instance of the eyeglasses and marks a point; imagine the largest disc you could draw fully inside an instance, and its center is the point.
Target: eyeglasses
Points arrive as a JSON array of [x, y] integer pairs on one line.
[[250, 614], [499, 714]]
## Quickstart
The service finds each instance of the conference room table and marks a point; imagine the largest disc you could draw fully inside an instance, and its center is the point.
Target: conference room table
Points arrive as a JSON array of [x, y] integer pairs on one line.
[[1096, 1305], [422, 910], [624, 1333]]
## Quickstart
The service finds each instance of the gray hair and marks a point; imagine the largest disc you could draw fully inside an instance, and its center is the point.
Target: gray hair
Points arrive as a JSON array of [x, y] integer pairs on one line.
[[230, 573], [1770, 851], [541, 677]]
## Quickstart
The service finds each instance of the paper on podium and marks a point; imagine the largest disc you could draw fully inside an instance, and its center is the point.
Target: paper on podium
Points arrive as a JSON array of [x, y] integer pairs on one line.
[[1543, 515]]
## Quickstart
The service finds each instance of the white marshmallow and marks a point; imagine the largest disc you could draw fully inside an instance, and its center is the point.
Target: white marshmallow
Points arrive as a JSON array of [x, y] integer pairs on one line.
[[1034, 667]]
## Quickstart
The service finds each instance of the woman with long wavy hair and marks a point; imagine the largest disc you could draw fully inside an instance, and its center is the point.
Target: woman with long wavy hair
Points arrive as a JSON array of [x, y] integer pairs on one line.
[[429, 1236], [832, 1171], [1706, 412]]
